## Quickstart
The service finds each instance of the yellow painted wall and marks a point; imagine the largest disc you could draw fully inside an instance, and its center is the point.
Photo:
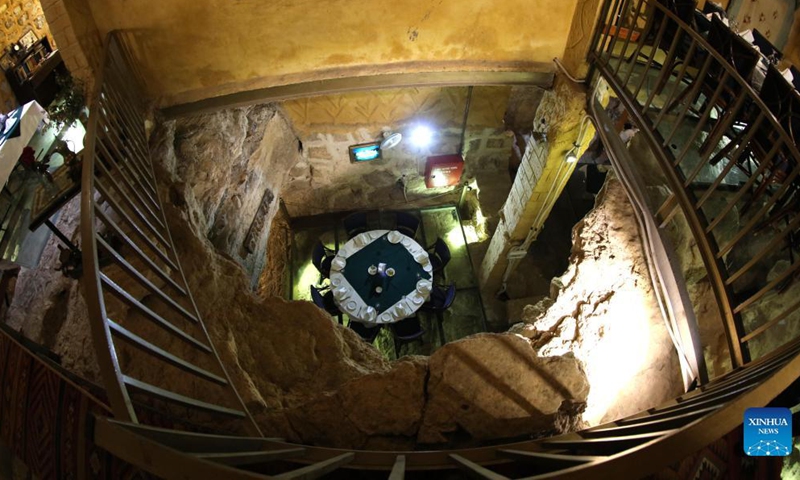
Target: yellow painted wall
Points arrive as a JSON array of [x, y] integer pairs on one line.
[[199, 48]]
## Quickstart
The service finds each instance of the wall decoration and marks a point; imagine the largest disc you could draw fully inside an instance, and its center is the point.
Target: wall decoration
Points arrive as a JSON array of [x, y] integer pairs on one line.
[[28, 39]]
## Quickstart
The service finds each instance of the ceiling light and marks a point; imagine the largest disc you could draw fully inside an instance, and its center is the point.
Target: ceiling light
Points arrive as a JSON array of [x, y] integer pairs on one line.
[[421, 136], [572, 154]]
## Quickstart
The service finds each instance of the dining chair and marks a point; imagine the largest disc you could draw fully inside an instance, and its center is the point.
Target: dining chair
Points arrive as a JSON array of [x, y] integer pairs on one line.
[[355, 223], [406, 223], [324, 301], [441, 299], [765, 46], [406, 331], [795, 77], [368, 334], [439, 254], [321, 257]]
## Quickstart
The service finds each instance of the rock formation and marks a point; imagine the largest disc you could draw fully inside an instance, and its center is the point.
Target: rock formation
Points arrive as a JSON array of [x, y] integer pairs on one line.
[[603, 310]]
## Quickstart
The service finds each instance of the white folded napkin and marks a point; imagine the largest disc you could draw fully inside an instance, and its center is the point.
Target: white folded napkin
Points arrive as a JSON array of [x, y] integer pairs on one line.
[[422, 258], [748, 35], [787, 74], [424, 287], [416, 298], [394, 236], [338, 263]]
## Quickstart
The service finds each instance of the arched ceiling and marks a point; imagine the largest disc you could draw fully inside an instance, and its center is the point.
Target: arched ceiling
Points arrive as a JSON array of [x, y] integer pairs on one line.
[[195, 49]]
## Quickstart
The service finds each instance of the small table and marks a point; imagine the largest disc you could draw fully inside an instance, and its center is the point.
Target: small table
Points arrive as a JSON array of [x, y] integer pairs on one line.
[[380, 277]]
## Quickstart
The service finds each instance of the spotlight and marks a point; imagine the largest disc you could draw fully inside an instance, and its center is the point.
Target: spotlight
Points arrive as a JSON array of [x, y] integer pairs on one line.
[[421, 136], [572, 154]]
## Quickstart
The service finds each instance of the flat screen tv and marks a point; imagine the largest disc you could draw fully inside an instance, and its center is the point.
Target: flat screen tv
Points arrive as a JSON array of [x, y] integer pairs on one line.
[[365, 152]]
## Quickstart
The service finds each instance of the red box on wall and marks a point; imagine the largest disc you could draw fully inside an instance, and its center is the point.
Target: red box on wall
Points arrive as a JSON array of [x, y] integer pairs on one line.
[[443, 170]]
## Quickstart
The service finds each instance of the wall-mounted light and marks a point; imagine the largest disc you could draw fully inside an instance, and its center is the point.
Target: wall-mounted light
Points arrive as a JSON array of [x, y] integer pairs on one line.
[[421, 136], [572, 154]]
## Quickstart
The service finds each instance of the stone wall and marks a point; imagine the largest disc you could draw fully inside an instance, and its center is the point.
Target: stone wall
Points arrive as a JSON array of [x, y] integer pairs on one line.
[[230, 167], [17, 17], [604, 311], [327, 125], [79, 41]]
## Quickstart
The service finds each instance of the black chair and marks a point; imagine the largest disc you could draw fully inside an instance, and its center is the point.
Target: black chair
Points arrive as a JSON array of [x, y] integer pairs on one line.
[[441, 299], [711, 7], [324, 301], [440, 255], [368, 334], [766, 47], [355, 223], [406, 223], [322, 257], [795, 77], [406, 331]]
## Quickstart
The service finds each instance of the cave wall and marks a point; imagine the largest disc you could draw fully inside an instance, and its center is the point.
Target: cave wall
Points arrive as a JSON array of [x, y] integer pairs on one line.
[[230, 167]]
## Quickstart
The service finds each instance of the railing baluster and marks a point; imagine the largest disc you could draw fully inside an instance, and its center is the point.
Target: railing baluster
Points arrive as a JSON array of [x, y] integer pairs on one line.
[[631, 30], [732, 161], [678, 80], [138, 251], [743, 189]]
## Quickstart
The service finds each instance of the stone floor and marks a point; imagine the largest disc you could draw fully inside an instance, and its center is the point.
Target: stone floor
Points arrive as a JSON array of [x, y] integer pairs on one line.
[[465, 317]]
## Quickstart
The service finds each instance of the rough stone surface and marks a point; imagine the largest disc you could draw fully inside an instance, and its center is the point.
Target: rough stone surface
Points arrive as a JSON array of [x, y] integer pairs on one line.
[[231, 167], [606, 314], [374, 411], [49, 308], [495, 386]]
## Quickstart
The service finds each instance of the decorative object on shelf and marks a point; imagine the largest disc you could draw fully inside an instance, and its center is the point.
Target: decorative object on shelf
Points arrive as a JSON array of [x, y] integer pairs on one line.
[[69, 103], [27, 40]]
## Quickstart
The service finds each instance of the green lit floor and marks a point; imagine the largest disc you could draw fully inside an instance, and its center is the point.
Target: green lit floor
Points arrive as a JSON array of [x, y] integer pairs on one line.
[[465, 317]]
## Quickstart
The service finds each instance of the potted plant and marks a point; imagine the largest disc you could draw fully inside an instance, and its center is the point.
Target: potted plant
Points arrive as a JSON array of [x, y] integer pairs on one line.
[[69, 102]]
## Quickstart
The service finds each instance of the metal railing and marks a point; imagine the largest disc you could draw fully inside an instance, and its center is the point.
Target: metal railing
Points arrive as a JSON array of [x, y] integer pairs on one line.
[[631, 447], [727, 158], [136, 292]]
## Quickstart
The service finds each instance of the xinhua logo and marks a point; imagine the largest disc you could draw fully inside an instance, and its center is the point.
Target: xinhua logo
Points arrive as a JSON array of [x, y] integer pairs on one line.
[[767, 432]]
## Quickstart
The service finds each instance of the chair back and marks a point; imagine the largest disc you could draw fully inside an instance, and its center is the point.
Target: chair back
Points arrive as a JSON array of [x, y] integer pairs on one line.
[[406, 223], [321, 259], [441, 250], [318, 254], [317, 298], [407, 329], [735, 49], [711, 7], [369, 334], [795, 77], [355, 223], [765, 46], [782, 100], [441, 299], [449, 297]]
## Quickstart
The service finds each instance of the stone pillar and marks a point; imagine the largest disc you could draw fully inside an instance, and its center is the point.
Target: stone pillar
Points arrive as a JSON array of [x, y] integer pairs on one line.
[[75, 32], [540, 178]]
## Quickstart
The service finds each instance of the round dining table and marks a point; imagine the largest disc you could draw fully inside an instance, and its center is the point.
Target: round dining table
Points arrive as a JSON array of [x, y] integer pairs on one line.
[[380, 277]]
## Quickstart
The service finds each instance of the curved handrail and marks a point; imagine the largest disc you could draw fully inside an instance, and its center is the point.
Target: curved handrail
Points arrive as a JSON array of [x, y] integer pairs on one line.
[[672, 163], [649, 456], [122, 218]]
